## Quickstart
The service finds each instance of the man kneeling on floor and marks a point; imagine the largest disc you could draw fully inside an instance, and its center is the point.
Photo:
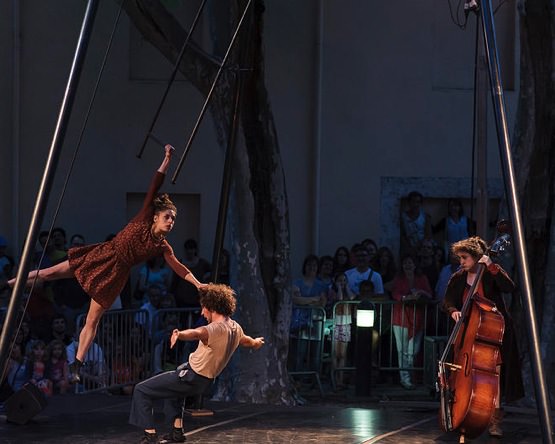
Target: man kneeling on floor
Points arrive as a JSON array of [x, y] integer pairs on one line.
[[217, 342]]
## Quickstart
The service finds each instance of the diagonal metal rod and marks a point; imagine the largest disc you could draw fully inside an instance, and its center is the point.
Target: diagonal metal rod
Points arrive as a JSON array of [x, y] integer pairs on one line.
[[205, 106], [47, 179], [514, 211], [149, 133]]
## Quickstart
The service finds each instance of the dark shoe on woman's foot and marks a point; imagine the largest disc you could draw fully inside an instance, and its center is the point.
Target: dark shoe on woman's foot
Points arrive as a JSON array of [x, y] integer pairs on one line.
[[74, 368]]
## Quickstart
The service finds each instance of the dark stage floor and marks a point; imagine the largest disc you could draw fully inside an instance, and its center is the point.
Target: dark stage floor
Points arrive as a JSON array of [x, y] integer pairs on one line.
[[392, 415]]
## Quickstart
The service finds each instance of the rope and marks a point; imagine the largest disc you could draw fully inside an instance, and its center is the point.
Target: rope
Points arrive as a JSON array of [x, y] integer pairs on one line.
[[72, 163]]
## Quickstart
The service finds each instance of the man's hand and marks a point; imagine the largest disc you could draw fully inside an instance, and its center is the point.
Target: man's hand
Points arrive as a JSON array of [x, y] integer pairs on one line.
[[258, 342], [456, 315], [174, 337]]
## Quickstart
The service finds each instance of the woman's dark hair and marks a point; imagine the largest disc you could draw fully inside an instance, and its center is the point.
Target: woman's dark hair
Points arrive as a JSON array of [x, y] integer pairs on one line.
[[218, 298], [310, 258], [163, 203]]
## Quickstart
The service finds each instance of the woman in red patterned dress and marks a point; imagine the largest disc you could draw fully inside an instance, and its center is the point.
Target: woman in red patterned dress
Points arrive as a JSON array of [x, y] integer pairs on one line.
[[103, 269]]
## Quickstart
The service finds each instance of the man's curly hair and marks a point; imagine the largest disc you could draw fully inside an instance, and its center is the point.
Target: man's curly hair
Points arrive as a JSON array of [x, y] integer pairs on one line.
[[475, 246], [219, 298], [163, 202]]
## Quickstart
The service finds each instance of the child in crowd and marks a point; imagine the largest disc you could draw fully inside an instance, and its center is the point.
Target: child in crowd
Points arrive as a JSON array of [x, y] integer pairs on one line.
[[37, 367], [57, 368], [340, 292]]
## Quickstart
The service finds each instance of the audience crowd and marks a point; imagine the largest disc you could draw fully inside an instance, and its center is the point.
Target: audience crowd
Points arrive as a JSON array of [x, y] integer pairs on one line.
[[46, 340]]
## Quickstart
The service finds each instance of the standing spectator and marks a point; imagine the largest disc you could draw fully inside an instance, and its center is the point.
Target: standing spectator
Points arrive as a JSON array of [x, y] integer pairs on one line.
[[445, 275], [59, 330], [342, 322], [455, 226], [409, 287], [384, 263], [308, 292], [325, 270], [154, 295], [341, 260], [186, 295], [416, 225], [59, 253], [153, 272], [57, 367], [18, 373], [371, 247], [6, 262], [427, 263], [42, 255], [77, 240], [363, 272]]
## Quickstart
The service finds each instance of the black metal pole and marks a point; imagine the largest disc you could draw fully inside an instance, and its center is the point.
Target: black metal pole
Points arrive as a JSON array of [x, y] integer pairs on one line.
[[47, 179], [208, 97], [540, 387], [226, 181], [149, 134]]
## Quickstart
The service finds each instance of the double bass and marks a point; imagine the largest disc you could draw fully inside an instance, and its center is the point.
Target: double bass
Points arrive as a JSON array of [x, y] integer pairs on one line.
[[468, 377]]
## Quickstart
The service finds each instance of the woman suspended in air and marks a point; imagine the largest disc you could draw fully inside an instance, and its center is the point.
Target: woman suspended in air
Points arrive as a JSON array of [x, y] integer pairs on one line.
[[103, 269]]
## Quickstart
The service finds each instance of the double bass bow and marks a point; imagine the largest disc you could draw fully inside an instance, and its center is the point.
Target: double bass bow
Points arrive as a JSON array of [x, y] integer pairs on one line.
[[468, 377]]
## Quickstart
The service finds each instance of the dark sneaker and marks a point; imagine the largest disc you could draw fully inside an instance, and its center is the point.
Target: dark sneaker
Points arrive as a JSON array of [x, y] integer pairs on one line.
[[149, 438], [176, 435], [74, 368]]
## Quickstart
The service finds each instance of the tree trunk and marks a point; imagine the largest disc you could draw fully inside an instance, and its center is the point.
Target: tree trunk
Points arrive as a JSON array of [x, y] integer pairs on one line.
[[258, 210], [534, 156]]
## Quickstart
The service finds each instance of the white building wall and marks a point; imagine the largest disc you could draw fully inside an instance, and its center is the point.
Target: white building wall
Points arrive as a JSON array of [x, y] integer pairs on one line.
[[396, 101]]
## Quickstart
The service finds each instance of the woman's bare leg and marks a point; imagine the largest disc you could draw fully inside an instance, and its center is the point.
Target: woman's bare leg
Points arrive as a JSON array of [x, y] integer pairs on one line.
[[58, 271], [88, 333]]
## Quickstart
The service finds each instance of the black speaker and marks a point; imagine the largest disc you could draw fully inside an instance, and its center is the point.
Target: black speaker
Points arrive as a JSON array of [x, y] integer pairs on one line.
[[24, 404]]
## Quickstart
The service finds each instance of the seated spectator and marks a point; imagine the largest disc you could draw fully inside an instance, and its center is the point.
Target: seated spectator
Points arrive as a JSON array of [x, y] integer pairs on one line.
[[77, 240], [37, 368], [363, 272], [57, 367]]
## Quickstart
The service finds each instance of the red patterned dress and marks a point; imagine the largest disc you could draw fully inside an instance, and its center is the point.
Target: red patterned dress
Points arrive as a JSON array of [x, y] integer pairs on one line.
[[103, 269]]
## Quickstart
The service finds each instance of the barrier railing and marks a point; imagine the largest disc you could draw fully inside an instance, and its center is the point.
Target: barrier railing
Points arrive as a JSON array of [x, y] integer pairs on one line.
[[132, 345], [385, 349], [306, 342]]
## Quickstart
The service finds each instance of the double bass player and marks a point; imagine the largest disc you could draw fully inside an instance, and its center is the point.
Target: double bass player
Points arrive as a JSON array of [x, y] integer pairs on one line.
[[472, 252]]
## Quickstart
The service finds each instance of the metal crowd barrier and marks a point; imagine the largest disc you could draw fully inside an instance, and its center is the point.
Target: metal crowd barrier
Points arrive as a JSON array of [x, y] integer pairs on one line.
[[306, 343], [384, 350], [131, 345]]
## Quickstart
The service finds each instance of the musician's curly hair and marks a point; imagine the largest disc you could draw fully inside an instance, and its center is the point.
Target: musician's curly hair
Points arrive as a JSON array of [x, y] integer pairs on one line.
[[162, 203], [475, 246], [219, 298]]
